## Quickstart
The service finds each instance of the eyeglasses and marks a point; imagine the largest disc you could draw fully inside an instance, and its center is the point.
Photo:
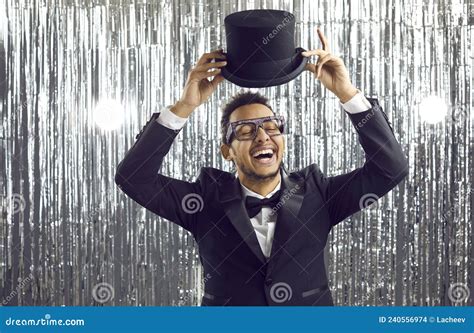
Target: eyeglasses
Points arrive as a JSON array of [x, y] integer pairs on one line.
[[247, 129]]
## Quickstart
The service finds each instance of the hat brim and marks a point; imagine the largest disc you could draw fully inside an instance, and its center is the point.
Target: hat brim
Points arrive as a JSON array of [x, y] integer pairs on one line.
[[274, 81]]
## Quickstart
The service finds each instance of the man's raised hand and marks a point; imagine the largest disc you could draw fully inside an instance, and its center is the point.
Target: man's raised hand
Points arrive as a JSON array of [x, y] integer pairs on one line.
[[331, 71], [198, 87]]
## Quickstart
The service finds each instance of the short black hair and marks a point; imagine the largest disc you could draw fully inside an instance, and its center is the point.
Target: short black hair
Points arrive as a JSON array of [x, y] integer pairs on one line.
[[242, 98]]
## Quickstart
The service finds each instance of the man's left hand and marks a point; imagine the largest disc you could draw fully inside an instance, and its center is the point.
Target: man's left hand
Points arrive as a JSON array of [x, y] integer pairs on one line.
[[330, 70]]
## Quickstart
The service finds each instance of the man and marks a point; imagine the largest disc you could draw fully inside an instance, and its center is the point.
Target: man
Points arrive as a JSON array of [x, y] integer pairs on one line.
[[261, 232]]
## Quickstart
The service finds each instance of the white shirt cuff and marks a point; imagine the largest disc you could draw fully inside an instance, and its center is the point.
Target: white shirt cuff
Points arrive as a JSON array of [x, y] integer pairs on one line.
[[170, 120], [357, 104]]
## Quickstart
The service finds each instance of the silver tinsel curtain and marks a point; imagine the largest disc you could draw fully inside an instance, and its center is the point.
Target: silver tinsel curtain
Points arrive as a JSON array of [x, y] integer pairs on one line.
[[79, 78]]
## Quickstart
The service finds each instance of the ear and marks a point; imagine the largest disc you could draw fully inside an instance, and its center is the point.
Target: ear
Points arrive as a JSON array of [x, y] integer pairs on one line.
[[225, 151]]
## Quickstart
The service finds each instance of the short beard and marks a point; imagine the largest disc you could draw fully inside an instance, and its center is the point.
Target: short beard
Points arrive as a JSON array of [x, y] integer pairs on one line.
[[257, 178]]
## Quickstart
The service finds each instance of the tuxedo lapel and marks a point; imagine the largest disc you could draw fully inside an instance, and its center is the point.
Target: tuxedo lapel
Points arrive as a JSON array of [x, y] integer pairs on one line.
[[287, 209], [233, 205]]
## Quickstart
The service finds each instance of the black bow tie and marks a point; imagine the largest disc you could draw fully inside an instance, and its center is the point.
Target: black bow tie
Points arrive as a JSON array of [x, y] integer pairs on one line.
[[254, 205]]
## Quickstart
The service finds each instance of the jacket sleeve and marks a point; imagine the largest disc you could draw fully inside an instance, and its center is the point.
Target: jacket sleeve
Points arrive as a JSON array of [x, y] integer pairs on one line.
[[138, 176], [385, 166]]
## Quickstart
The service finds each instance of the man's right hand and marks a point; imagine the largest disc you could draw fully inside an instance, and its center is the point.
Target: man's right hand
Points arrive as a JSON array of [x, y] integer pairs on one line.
[[198, 88]]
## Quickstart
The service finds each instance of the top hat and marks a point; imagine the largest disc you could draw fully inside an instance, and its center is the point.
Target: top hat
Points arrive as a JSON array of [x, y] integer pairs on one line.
[[261, 48]]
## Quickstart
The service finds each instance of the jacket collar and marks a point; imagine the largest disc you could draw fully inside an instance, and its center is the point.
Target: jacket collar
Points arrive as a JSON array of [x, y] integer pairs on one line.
[[231, 199]]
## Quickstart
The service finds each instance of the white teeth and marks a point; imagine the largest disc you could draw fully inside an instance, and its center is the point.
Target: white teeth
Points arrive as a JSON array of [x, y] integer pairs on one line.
[[265, 151]]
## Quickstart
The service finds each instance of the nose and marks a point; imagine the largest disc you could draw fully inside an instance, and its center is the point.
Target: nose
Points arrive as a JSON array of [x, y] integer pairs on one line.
[[262, 135]]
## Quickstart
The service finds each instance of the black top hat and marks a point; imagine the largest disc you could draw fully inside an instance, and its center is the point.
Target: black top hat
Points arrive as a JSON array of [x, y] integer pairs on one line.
[[261, 48]]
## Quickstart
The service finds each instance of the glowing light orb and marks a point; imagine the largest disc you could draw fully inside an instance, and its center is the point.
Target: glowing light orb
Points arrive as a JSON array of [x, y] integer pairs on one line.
[[433, 109], [108, 114]]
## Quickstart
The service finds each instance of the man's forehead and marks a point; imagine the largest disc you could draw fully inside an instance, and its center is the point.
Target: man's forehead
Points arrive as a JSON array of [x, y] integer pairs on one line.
[[250, 111]]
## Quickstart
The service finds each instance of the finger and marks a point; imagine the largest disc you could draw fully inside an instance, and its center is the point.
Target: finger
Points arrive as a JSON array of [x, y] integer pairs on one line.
[[310, 67], [197, 76], [219, 53], [323, 39], [210, 65], [207, 57], [203, 59], [317, 52], [216, 80], [321, 64], [203, 75], [326, 56], [320, 61], [218, 56]]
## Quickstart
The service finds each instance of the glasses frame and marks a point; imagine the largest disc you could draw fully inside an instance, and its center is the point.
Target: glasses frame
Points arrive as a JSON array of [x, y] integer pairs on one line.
[[258, 123]]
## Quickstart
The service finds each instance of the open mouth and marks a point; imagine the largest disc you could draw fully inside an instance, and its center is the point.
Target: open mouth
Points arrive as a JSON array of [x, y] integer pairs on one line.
[[265, 157]]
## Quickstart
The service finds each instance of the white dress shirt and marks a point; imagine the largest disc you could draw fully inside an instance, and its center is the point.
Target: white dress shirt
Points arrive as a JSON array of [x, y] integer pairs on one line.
[[263, 222]]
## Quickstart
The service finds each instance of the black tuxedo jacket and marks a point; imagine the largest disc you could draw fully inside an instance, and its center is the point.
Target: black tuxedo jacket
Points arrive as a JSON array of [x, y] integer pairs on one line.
[[237, 273]]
